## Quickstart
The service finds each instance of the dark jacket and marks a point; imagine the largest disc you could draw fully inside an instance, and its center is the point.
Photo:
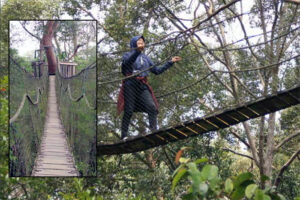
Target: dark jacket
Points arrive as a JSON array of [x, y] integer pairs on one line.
[[135, 61]]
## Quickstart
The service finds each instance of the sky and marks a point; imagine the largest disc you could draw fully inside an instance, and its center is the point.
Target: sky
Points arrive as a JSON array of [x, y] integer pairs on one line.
[[21, 40]]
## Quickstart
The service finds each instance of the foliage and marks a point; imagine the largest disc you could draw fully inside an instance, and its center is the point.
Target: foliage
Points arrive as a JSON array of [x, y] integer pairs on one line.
[[207, 183]]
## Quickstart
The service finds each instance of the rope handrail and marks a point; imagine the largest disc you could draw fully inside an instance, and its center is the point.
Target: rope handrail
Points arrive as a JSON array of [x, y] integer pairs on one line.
[[88, 103], [221, 71], [83, 95], [247, 47], [141, 71], [68, 88], [209, 49], [21, 105], [16, 115], [71, 97], [76, 112], [26, 95]]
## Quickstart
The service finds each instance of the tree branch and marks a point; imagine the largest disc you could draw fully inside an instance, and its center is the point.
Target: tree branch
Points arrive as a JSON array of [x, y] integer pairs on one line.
[[216, 12], [285, 166], [35, 36], [239, 138], [75, 52], [297, 133], [210, 69], [91, 15], [240, 154]]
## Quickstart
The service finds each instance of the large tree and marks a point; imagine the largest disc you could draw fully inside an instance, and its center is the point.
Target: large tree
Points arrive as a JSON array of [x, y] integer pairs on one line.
[[46, 42]]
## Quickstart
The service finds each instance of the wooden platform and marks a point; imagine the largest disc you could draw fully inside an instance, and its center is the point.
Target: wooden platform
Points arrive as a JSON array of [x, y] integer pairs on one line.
[[218, 120], [54, 157]]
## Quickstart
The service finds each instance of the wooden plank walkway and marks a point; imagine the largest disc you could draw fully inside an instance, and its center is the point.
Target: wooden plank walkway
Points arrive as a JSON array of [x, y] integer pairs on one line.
[[54, 157], [213, 122]]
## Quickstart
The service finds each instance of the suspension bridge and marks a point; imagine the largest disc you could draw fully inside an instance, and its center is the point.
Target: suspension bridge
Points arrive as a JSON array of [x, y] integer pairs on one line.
[[212, 122], [51, 136], [247, 101], [195, 126]]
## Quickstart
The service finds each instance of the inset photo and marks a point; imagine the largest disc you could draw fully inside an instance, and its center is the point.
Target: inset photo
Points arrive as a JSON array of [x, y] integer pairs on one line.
[[52, 95]]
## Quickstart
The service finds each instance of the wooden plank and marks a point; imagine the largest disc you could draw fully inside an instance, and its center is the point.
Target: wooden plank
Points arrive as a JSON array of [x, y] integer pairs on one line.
[[218, 120], [54, 157]]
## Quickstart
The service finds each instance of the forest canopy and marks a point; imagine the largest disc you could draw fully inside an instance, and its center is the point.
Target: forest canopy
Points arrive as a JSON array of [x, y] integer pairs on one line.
[[209, 35]]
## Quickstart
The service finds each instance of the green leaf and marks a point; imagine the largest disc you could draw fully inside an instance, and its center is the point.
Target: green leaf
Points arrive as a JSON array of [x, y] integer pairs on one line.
[[228, 186], [267, 197], [283, 198], [214, 184], [242, 178], [176, 170], [188, 196], [238, 193], [209, 172], [203, 188], [250, 190], [195, 176], [260, 195], [177, 178], [184, 160], [193, 170], [201, 160]]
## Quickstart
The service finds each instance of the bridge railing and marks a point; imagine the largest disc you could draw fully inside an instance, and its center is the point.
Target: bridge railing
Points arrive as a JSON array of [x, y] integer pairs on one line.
[[28, 106], [190, 89], [76, 95]]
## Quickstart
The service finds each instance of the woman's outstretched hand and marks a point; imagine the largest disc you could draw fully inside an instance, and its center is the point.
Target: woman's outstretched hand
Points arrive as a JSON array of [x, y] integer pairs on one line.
[[176, 59]]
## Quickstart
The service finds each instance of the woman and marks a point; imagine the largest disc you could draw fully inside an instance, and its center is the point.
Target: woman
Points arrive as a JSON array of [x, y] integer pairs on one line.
[[136, 95]]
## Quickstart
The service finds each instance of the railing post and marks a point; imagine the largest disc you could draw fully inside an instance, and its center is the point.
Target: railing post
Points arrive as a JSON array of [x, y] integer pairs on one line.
[[41, 66], [33, 65]]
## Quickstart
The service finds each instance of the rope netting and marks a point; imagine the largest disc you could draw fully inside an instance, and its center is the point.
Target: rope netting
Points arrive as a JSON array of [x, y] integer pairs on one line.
[[28, 106], [77, 105], [207, 79]]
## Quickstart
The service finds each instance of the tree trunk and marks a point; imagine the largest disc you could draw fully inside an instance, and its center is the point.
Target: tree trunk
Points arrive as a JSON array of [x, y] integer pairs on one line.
[[47, 45]]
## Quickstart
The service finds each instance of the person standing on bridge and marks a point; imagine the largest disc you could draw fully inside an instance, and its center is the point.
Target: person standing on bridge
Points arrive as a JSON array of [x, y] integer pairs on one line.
[[136, 94]]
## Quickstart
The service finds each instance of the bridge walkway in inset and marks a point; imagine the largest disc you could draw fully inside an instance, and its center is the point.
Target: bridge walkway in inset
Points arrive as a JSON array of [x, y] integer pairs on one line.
[[54, 156]]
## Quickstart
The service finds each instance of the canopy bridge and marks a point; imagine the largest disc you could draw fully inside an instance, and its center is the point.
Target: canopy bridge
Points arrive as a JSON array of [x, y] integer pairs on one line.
[[213, 122], [201, 93], [46, 139]]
